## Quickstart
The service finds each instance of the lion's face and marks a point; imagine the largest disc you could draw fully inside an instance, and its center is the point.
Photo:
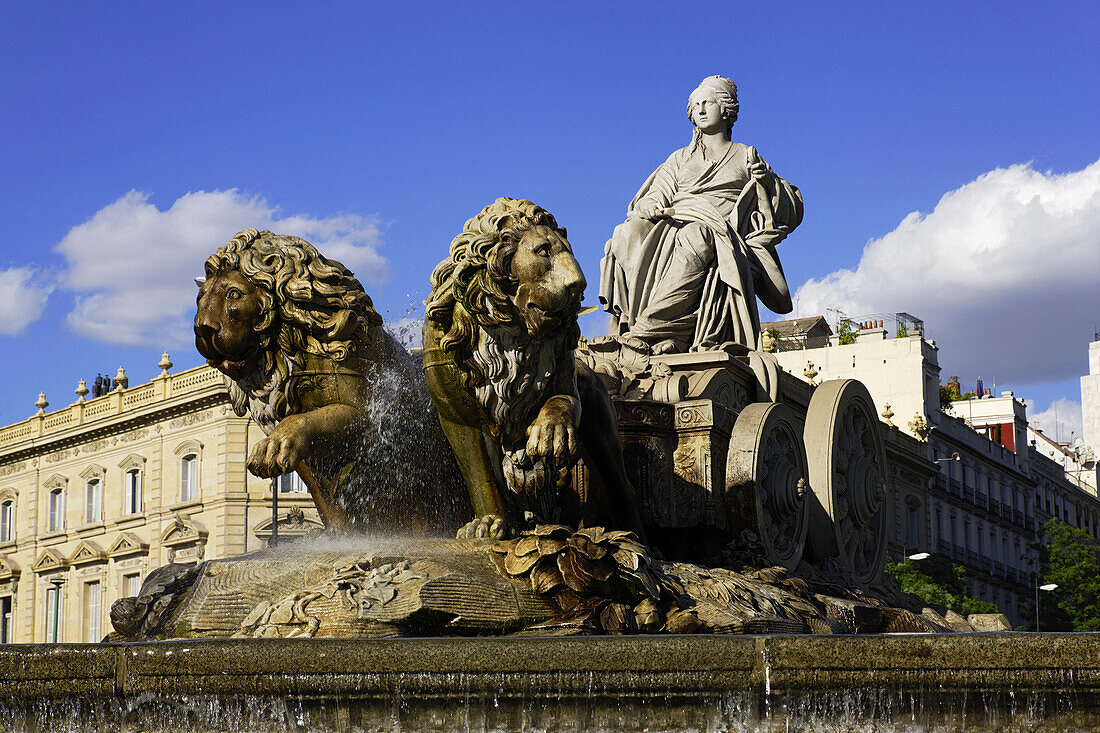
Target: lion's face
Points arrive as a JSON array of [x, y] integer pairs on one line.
[[550, 282], [228, 324]]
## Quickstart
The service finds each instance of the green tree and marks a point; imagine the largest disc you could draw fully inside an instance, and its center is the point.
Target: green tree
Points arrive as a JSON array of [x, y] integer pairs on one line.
[[951, 392], [938, 582], [846, 335], [1069, 557], [903, 330]]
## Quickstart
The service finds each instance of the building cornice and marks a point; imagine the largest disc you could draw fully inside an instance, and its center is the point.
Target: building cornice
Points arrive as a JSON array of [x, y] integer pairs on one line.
[[114, 414]]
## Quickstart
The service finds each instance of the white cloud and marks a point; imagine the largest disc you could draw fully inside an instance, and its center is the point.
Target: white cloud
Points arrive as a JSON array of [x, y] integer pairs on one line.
[[1005, 272], [23, 297], [1059, 420], [133, 266]]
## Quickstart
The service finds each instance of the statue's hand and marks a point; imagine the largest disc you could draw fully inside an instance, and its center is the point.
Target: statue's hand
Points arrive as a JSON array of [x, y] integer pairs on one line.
[[552, 435], [645, 210], [760, 171], [282, 451]]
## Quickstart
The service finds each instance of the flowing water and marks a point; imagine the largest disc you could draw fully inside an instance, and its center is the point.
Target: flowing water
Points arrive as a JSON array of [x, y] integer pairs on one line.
[[460, 702]]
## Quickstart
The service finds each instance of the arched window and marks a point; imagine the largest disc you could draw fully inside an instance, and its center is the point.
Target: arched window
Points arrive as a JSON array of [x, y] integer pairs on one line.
[[94, 505], [189, 477], [132, 491], [57, 510], [7, 520]]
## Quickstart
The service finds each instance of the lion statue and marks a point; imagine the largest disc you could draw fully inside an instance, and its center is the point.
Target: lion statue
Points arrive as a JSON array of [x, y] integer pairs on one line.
[[517, 407], [304, 352]]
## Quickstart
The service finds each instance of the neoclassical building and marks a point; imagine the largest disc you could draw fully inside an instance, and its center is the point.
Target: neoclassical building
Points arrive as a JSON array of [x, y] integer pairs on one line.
[[97, 494]]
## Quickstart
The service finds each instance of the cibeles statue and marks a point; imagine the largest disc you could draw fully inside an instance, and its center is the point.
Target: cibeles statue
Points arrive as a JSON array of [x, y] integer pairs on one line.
[[698, 247]]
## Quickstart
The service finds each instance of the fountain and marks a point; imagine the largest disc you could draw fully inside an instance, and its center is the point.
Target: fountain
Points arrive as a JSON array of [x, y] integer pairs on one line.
[[527, 530]]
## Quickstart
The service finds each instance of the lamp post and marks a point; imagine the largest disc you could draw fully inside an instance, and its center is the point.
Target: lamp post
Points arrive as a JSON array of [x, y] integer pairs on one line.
[[919, 556], [274, 513], [1047, 587], [57, 581]]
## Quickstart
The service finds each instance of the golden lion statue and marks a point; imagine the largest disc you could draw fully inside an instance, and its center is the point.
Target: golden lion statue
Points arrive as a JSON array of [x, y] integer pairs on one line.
[[517, 407], [304, 351]]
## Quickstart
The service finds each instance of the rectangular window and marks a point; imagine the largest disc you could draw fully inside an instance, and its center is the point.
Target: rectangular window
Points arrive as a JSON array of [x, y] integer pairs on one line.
[[91, 612], [5, 620], [95, 502], [291, 483], [189, 477], [51, 608], [914, 527], [7, 521], [131, 585], [133, 491], [57, 510]]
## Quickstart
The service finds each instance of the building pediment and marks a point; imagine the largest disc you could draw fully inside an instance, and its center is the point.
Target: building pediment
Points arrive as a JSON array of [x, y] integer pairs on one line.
[[128, 543], [182, 532], [293, 523], [93, 471], [185, 540], [87, 552], [55, 480], [131, 462], [9, 570], [49, 560]]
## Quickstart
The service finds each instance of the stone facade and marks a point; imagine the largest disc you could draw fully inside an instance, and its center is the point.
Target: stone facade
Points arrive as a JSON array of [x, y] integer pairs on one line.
[[97, 494]]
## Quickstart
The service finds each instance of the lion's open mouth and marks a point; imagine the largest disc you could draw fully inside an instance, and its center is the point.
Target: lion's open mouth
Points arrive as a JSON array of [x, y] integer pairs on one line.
[[234, 367], [543, 321]]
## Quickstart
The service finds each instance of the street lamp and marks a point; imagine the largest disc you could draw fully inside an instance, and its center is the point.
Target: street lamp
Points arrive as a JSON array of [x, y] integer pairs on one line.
[[274, 512], [952, 457], [57, 581], [1047, 587], [919, 556]]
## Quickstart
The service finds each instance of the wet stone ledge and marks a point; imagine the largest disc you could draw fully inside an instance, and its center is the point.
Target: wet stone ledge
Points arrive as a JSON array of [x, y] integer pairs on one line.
[[1005, 681]]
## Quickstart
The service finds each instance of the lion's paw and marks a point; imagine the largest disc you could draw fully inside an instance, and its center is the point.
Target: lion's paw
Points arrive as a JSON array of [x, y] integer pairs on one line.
[[491, 526]]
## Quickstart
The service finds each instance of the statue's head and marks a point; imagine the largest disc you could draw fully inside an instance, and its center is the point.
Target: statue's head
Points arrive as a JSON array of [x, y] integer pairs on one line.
[[511, 266], [718, 89], [266, 294]]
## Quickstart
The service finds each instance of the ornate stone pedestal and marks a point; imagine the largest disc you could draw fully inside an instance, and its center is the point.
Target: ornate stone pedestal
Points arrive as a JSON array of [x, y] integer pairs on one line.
[[720, 468]]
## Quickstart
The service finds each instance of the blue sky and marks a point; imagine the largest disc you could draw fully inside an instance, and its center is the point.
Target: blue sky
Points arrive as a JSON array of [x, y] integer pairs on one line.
[[377, 130]]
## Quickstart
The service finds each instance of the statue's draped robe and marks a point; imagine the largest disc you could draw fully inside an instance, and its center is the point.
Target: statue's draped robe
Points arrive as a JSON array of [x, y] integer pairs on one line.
[[694, 278]]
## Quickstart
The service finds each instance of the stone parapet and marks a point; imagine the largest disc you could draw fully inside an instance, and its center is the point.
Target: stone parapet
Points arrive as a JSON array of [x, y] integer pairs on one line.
[[79, 415]]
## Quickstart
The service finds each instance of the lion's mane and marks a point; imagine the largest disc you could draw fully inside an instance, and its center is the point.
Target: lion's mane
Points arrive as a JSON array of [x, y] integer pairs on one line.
[[507, 369], [311, 304], [472, 289]]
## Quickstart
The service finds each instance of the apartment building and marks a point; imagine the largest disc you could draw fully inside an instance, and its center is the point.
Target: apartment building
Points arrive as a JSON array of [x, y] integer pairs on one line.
[[999, 479]]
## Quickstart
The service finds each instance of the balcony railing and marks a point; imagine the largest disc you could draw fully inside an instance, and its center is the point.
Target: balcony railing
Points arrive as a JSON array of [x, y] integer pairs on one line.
[[114, 402]]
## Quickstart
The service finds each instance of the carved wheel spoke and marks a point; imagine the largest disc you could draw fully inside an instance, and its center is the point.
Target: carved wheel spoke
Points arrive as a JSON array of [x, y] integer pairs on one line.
[[766, 474]]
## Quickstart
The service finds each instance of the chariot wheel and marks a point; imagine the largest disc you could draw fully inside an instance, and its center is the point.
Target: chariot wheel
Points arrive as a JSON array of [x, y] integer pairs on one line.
[[848, 476], [766, 480]]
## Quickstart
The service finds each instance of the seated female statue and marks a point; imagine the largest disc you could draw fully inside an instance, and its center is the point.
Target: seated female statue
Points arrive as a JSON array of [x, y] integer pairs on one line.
[[698, 246]]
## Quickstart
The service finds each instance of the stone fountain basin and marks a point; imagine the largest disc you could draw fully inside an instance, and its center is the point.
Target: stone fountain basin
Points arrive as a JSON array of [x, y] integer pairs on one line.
[[972, 681]]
